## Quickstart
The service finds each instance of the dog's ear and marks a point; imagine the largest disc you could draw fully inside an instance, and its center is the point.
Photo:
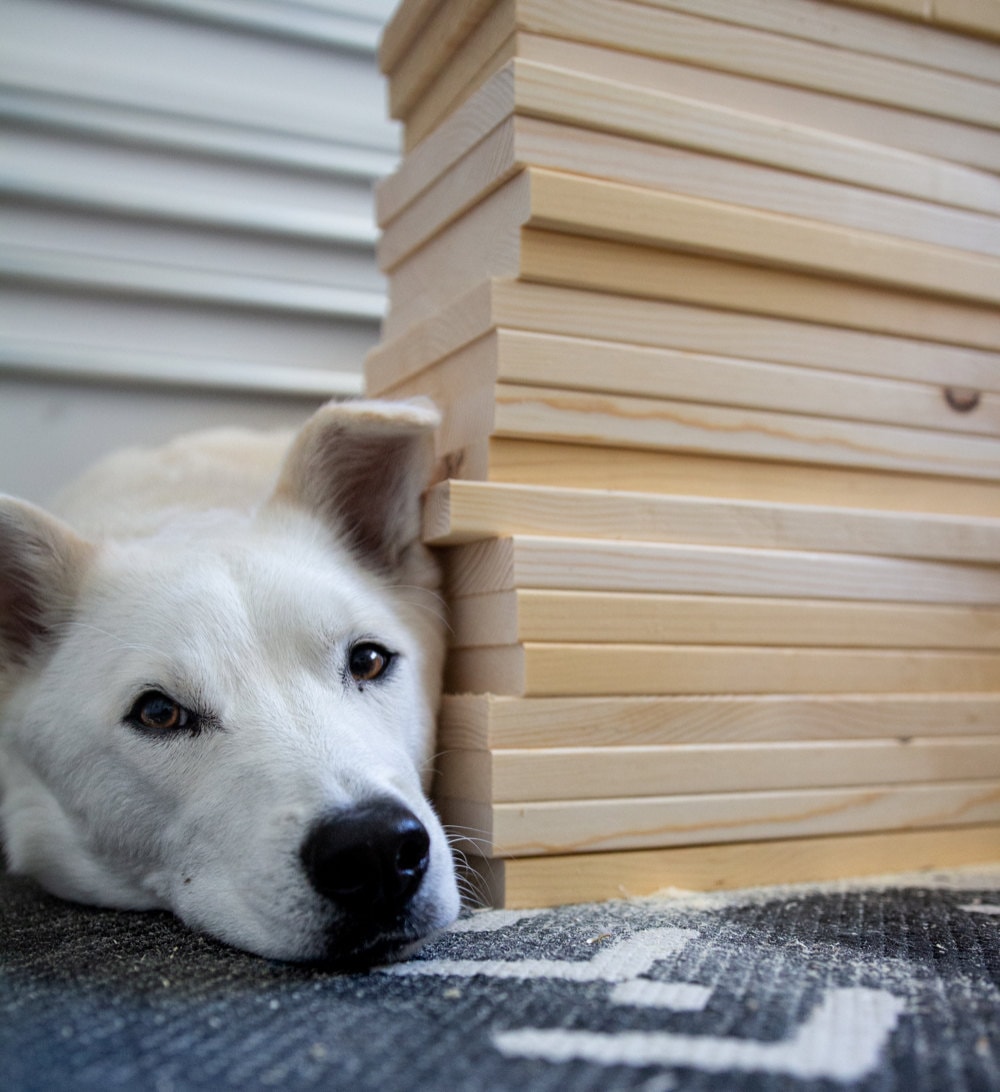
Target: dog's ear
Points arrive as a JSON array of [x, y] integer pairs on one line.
[[362, 467], [41, 564]]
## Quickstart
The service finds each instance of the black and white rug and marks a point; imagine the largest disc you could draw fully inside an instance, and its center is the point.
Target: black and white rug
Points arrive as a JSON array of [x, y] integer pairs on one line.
[[864, 988]]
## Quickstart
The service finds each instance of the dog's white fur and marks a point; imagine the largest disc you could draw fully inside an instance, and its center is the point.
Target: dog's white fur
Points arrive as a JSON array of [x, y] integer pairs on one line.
[[234, 573]]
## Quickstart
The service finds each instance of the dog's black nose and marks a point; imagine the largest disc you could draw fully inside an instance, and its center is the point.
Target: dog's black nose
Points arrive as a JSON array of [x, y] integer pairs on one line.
[[370, 858]]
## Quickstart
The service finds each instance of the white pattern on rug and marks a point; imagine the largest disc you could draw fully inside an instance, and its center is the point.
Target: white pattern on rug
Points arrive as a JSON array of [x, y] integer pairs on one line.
[[841, 1040]]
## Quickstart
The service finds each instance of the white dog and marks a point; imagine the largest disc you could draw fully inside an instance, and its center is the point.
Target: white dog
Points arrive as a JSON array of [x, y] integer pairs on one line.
[[218, 689]]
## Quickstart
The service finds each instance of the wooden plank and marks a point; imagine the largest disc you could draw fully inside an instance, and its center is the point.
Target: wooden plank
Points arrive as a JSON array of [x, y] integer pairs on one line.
[[442, 32], [487, 48], [659, 32], [580, 773], [536, 669], [666, 425], [531, 615], [586, 877], [968, 16], [677, 326], [457, 512], [634, 214], [562, 826], [662, 120], [594, 565], [572, 261], [856, 30], [406, 22], [609, 106], [558, 203], [473, 408], [570, 466], [586, 364], [803, 107], [518, 143], [490, 721]]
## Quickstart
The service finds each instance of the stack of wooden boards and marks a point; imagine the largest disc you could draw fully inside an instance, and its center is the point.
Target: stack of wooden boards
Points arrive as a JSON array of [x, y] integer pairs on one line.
[[707, 291]]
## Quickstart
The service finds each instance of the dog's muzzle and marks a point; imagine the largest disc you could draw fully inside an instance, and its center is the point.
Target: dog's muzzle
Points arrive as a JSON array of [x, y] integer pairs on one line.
[[369, 861]]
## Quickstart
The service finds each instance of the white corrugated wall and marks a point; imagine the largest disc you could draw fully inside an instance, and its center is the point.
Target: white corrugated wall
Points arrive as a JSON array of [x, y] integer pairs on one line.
[[186, 235]]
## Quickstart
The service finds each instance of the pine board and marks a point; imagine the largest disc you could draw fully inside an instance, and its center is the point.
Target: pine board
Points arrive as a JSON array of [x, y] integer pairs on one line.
[[526, 462], [458, 512], [705, 42], [489, 721], [444, 30], [519, 143], [577, 564], [584, 877], [663, 120], [571, 261], [546, 309], [967, 16], [407, 21], [590, 826], [578, 773], [586, 364], [557, 204], [537, 669], [597, 207], [666, 425], [801, 107], [527, 615], [859, 31]]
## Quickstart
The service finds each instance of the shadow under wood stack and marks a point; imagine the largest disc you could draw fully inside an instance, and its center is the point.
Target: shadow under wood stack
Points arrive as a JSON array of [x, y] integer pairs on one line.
[[708, 294]]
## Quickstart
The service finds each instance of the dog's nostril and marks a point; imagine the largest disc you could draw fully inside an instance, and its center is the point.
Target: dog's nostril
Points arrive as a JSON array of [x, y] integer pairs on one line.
[[369, 858]]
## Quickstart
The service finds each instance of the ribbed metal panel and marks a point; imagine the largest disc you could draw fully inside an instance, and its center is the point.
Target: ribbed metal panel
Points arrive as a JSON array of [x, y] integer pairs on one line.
[[185, 215]]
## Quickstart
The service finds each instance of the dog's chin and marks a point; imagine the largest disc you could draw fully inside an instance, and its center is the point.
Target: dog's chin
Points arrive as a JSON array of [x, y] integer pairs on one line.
[[349, 953]]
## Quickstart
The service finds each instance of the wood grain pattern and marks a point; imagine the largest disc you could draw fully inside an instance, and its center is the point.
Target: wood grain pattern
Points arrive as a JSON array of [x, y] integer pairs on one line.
[[798, 106], [531, 615], [579, 773], [457, 512], [546, 309], [660, 120], [666, 425], [859, 30], [584, 877], [536, 669], [594, 565], [557, 201], [968, 16], [589, 826], [519, 142], [527, 462], [587, 364], [654, 273], [654, 30], [529, 225], [490, 721]]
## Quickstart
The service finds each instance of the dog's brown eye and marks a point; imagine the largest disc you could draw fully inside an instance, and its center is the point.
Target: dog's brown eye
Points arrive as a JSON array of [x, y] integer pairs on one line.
[[368, 662], [159, 713]]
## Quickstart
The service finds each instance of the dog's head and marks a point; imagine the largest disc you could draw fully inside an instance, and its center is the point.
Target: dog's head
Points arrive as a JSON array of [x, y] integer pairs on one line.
[[232, 717]]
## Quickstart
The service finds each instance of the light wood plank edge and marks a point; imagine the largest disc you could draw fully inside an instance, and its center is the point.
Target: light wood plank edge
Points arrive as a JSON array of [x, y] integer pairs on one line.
[[563, 670], [617, 565], [572, 312], [575, 465], [594, 773], [974, 17], [458, 512], [545, 828], [527, 615], [529, 882], [487, 721]]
